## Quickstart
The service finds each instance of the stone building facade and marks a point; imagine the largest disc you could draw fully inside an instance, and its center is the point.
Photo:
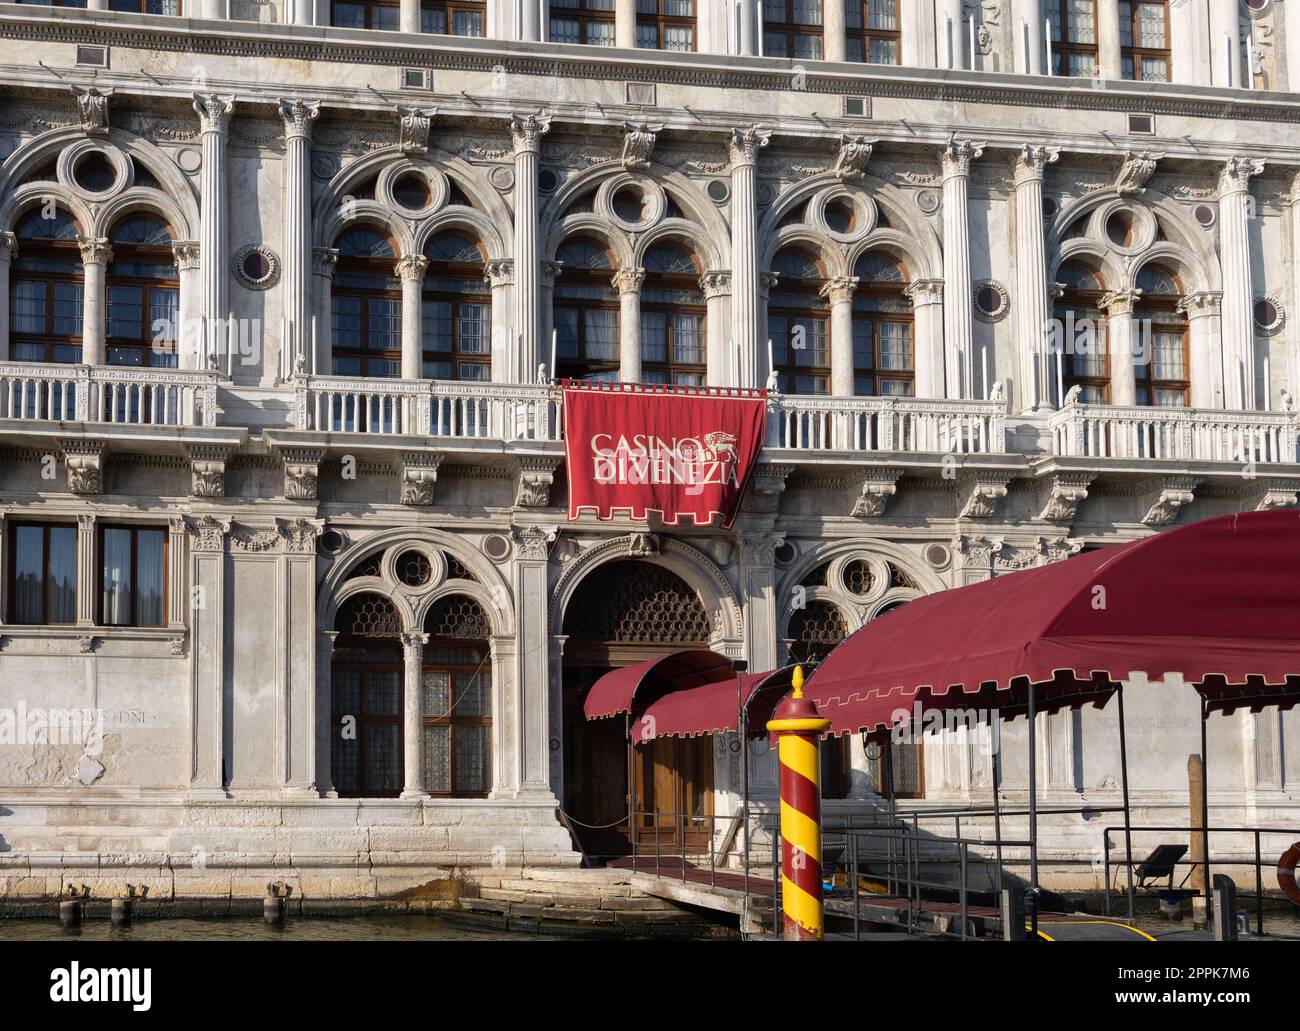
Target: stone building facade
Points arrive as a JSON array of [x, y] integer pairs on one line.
[[282, 491]]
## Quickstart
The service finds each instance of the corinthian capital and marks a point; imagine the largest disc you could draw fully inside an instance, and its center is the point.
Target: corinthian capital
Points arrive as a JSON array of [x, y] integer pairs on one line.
[[839, 290], [412, 267], [1032, 162], [94, 251], [8, 245], [745, 145], [958, 154], [298, 116], [629, 280], [1236, 173], [213, 112], [527, 131], [1120, 302]]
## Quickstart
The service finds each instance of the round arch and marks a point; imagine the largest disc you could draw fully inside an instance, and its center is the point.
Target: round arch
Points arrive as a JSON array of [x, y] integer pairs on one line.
[[588, 224]]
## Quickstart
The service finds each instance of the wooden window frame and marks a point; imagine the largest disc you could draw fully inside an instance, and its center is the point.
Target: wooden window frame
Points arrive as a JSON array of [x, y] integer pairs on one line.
[[867, 35], [135, 530], [449, 9], [11, 586], [1163, 319], [1088, 300], [599, 278], [369, 7], [662, 21], [1135, 53], [365, 719], [356, 265], [453, 721], [1064, 47], [141, 7], [791, 30], [148, 254], [675, 281], [883, 291], [54, 250], [467, 272], [585, 17]]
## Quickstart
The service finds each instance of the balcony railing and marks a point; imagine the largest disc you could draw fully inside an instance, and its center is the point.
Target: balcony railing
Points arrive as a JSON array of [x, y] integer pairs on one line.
[[1174, 434], [887, 424], [105, 393], [391, 407]]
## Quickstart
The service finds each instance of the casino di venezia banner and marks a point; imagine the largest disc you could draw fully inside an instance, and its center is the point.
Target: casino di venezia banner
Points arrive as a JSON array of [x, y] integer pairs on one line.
[[681, 453]]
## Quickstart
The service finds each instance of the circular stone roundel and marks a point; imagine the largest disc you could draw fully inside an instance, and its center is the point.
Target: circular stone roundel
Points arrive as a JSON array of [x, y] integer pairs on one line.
[[991, 300], [257, 267]]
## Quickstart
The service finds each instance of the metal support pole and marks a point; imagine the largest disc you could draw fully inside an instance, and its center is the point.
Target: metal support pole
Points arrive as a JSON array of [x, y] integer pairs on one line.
[[1033, 810], [1205, 800], [995, 760], [631, 783], [1128, 819]]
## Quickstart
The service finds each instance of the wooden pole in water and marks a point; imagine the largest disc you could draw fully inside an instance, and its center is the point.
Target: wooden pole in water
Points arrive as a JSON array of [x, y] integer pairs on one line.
[[1196, 805]]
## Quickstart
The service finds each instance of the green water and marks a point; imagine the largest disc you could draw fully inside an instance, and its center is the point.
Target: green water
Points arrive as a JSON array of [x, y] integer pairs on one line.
[[421, 927]]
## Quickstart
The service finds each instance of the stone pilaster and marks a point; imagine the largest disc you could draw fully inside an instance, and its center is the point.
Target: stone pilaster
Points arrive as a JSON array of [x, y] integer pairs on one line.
[[1031, 276], [625, 23], [214, 225], [1206, 345], [1235, 209], [87, 574], [532, 669], [744, 147], [717, 294], [326, 731], [926, 296], [834, 42], [324, 260], [189, 334], [208, 542], [758, 596], [1225, 44], [527, 132], [295, 279], [628, 283], [499, 274], [959, 365], [95, 256]]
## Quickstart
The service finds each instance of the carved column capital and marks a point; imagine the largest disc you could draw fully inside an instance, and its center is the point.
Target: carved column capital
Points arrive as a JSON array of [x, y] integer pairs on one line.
[[839, 290], [297, 116], [324, 260], [629, 280], [1201, 304], [1236, 174], [924, 291], [214, 112], [8, 245], [499, 272], [1120, 302], [1032, 162], [743, 146], [958, 154], [715, 283], [94, 250], [411, 268], [527, 131]]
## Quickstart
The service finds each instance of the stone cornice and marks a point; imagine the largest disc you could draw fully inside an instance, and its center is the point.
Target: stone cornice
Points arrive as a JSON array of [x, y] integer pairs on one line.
[[318, 44]]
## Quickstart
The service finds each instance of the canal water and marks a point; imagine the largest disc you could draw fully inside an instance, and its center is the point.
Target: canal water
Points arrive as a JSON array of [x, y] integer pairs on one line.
[[397, 927]]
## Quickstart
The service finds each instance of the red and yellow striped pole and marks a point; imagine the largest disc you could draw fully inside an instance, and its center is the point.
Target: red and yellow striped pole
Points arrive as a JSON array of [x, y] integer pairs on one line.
[[797, 726]]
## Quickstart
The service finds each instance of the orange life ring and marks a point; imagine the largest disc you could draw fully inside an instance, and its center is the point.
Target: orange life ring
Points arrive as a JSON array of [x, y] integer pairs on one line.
[[1286, 872]]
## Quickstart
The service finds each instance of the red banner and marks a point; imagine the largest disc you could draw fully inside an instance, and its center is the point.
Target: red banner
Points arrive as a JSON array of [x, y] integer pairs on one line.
[[675, 452]]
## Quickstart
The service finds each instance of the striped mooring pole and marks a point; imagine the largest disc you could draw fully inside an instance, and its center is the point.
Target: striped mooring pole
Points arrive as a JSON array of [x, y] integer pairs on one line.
[[797, 725]]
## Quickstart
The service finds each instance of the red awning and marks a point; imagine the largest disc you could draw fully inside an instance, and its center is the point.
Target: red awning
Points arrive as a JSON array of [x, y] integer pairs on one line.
[[1217, 602], [616, 692], [713, 708]]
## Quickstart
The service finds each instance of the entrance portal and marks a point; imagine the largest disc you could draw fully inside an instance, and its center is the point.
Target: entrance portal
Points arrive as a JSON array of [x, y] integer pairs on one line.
[[621, 614]]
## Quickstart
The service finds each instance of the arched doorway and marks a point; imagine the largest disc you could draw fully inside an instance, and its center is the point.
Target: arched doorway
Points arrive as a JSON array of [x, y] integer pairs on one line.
[[623, 613], [366, 674]]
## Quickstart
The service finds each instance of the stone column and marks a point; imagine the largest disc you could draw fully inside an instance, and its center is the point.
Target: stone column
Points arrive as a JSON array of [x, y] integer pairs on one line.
[[413, 642], [1110, 65], [766, 284], [213, 10], [950, 35], [499, 274], [1030, 299], [95, 256], [744, 147], [926, 296], [834, 44], [839, 292], [214, 224], [1205, 338], [299, 697], [532, 665], [1236, 206], [87, 574], [410, 270], [717, 290], [628, 282], [959, 365], [625, 24], [189, 334], [324, 260], [531, 29], [207, 656], [550, 269], [749, 17], [1225, 49], [527, 132], [8, 249], [409, 16], [295, 276], [1027, 28], [325, 728], [758, 598], [1119, 343]]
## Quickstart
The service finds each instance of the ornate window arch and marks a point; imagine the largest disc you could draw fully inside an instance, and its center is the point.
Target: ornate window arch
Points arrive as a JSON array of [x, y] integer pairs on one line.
[[631, 602], [456, 325], [143, 291], [673, 317], [456, 698], [585, 311], [883, 351], [366, 683], [366, 305], [1164, 379], [798, 323], [1078, 309]]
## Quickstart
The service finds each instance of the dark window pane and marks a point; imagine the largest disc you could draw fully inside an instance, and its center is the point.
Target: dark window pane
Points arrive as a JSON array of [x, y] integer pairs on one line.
[[115, 578], [63, 575], [29, 574], [149, 577]]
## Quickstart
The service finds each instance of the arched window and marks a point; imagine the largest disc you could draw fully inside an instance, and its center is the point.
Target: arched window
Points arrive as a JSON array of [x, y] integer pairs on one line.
[[457, 311], [453, 17], [814, 630], [883, 360], [672, 318], [46, 290], [582, 21], [1160, 332], [793, 28], [457, 699], [1073, 25], [872, 31], [1082, 327], [665, 24], [1145, 52], [143, 290], [367, 306], [366, 14], [366, 676], [586, 313], [798, 324]]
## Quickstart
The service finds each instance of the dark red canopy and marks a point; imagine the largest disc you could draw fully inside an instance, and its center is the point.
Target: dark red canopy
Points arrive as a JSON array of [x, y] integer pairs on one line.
[[615, 692], [1217, 602], [713, 708]]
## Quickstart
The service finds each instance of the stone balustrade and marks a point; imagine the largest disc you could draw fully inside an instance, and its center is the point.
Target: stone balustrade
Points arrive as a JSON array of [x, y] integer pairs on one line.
[[108, 394]]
